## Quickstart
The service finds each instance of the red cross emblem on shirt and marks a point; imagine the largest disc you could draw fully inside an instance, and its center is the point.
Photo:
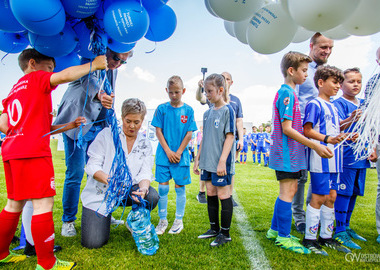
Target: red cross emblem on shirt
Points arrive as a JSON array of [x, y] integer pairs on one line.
[[184, 119]]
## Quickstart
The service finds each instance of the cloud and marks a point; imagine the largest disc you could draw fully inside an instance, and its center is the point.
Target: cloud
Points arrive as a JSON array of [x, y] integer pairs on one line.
[[144, 75], [260, 58]]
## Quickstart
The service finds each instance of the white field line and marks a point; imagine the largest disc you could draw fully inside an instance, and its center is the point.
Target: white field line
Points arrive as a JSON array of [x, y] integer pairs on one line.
[[254, 250]]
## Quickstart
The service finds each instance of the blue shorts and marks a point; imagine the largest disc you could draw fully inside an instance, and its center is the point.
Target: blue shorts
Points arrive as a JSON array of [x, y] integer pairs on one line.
[[245, 149], [352, 182], [253, 147], [322, 183], [262, 149], [215, 179], [180, 174]]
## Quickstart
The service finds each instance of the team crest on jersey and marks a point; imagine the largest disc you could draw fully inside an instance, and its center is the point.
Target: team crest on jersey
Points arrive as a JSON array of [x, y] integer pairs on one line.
[[216, 123], [286, 101], [314, 229], [342, 187], [184, 119]]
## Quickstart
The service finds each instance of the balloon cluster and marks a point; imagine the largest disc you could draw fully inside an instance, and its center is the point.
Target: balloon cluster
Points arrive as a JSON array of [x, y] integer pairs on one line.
[[65, 29], [268, 26]]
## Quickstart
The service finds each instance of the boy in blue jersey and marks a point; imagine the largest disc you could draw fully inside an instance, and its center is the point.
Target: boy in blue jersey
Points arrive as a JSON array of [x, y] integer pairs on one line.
[[253, 140], [322, 125], [260, 141], [352, 179], [287, 155], [266, 145], [174, 122], [244, 151]]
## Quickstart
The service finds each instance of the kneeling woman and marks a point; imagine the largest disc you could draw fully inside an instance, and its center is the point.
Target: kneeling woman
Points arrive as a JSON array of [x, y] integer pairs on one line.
[[139, 156]]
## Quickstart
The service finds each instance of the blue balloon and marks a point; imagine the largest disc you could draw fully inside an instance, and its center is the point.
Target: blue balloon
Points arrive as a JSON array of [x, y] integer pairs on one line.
[[61, 63], [57, 45], [8, 22], [42, 17], [119, 47], [153, 4], [163, 23], [84, 35], [13, 42], [81, 8], [126, 22]]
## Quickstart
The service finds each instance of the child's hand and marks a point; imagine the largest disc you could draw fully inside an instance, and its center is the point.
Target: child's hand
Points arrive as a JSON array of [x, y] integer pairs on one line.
[[373, 157], [195, 167], [323, 151], [200, 84], [80, 120], [353, 136], [337, 139], [221, 170], [355, 115], [172, 156], [100, 62], [106, 100]]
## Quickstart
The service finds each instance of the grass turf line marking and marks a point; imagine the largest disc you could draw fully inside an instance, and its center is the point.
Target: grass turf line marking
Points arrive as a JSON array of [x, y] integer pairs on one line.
[[254, 250]]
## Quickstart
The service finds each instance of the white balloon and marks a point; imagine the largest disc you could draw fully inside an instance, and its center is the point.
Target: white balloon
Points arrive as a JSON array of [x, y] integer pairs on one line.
[[235, 10], [240, 29], [270, 30], [284, 4], [365, 20], [336, 33], [209, 9], [302, 35], [321, 15], [229, 26]]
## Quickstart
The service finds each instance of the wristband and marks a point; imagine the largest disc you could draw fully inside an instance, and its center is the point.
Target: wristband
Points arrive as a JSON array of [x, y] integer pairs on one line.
[[325, 139]]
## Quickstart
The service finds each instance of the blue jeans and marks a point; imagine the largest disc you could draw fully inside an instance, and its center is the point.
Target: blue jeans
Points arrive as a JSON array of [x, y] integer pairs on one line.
[[76, 159]]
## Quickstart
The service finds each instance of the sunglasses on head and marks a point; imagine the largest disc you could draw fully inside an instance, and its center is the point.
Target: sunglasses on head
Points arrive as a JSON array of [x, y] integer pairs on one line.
[[116, 58]]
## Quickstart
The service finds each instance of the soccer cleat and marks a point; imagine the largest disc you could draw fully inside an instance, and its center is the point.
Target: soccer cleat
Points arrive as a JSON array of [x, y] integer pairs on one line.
[[68, 229], [30, 250], [59, 265], [177, 226], [161, 226], [351, 233], [291, 244], [314, 247], [13, 258], [220, 240], [345, 239], [210, 233], [333, 244], [201, 197], [301, 227], [272, 235], [115, 221]]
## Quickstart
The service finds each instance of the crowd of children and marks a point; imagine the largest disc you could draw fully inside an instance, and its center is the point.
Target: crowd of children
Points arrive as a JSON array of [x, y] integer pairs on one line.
[[337, 177]]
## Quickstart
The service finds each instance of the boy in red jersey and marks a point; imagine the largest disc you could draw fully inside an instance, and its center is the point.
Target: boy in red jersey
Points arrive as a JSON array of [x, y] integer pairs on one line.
[[26, 118]]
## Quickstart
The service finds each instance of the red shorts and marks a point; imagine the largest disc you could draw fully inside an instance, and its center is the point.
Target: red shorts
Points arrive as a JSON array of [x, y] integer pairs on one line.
[[29, 178]]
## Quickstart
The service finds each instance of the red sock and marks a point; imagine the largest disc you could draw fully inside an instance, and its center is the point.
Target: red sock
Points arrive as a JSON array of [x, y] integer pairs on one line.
[[8, 226], [43, 236]]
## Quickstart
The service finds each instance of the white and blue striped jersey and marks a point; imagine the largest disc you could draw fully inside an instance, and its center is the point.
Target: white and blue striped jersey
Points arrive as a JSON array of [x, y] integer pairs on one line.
[[325, 119]]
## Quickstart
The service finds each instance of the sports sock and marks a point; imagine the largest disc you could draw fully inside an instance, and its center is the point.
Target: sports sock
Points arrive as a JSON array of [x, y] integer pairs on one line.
[[245, 158], [9, 222], [312, 222], [274, 225], [27, 213], [254, 158], [265, 159], [341, 207], [43, 236], [213, 212], [327, 222], [284, 218], [259, 158], [351, 207], [163, 191], [180, 202], [226, 216]]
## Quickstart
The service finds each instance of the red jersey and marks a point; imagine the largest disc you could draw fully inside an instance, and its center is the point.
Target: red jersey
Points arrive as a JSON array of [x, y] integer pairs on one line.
[[29, 110]]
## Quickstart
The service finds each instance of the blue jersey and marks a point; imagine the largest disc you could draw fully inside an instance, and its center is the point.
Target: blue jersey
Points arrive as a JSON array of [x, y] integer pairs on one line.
[[345, 108], [325, 120], [260, 139], [245, 140], [253, 137], [175, 123]]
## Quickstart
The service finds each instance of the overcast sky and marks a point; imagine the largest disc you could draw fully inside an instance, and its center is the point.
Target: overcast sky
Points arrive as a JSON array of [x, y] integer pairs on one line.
[[200, 40]]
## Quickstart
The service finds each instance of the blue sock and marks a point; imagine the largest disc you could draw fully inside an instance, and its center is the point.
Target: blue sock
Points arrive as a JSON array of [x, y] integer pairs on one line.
[[341, 206], [274, 225], [180, 201], [259, 158], [163, 191], [241, 158], [254, 158], [265, 159], [351, 207], [284, 218], [245, 158]]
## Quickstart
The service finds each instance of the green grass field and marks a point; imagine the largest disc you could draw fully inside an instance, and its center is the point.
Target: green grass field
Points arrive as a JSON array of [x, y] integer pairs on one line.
[[256, 190]]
